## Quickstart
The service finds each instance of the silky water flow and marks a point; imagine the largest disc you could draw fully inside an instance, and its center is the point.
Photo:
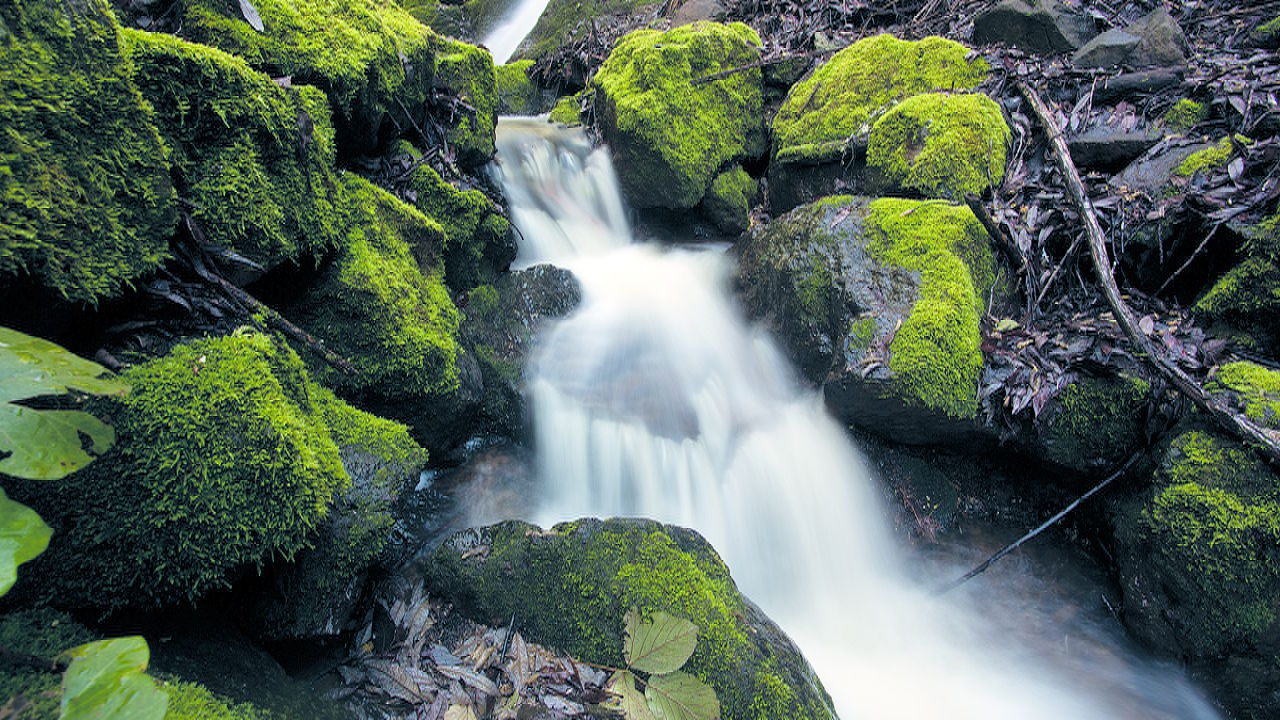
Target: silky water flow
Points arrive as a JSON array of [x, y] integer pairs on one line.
[[656, 399]]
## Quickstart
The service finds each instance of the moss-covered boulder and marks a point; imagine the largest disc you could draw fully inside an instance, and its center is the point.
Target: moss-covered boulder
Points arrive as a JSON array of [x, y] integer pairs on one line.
[[1244, 304], [478, 243], [469, 20], [728, 201], [670, 137], [879, 300], [567, 111], [1199, 558], [86, 206], [222, 462], [372, 58], [1093, 424], [563, 22], [939, 145], [256, 160], [828, 116], [1251, 388], [571, 586], [517, 95], [315, 595]]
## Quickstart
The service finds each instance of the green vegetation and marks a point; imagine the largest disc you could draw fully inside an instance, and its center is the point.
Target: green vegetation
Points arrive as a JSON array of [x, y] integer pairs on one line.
[[841, 100], [935, 353], [86, 208], [670, 137], [467, 71], [467, 20], [659, 646], [1184, 115], [558, 20], [256, 159], [728, 200], [571, 585], [189, 701], [567, 111], [517, 95], [940, 145], [174, 511], [1093, 426], [1256, 388], [1268, 33], [1245, 304], [1209, 159], [44, 633]]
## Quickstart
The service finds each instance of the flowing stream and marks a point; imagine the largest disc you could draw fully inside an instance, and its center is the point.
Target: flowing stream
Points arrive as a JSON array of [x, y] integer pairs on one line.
[[656, 399], [507, 35]]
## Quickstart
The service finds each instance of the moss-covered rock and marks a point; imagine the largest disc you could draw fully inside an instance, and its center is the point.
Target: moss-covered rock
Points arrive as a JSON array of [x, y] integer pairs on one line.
[[1199, 556], [477, 239], [940, 145], [571, 586], [1244, 304], [880, 301], [1252, 387], [834, 108], [315, 595], [1209, 159], [670, 137], [728, 201], [191, 701], [256, 159], [556, 25], [470, 20], [517, 95], [1090, 425], [222, 462], [372, 58], [567, 111], [1184, 115], [86, 206]]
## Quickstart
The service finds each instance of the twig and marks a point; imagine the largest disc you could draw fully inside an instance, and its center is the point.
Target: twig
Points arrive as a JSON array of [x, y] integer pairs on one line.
[[1194, 254], [1043, 526], [763, 62], [1238, 425], [1071, 251], [998, 237]]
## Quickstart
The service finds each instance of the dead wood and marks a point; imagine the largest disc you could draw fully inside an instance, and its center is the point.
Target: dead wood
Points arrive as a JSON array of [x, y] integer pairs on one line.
[[1237, 425]]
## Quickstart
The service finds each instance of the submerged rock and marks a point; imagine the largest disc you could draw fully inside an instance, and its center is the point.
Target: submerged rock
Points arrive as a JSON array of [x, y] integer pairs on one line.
[[570, 586], [85, 197], [670, 137], [1044, 27]]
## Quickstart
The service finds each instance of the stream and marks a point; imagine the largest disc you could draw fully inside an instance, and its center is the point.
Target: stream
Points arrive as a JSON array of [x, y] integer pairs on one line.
[[656, 399]]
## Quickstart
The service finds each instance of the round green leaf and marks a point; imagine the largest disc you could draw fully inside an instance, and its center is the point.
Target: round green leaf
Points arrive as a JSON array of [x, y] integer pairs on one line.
[[681, 696], [32, 367], [659, 645], [45, 444], [23, 535], [107, 679]]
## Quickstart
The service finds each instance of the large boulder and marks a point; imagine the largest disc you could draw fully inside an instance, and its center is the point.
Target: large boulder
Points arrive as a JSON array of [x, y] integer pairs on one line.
[[1244, 304], [1153, 40], [669, 136], [1044, 27], [880, 301], [827, 118], [570, 586], [86, 204], [1199, 558]]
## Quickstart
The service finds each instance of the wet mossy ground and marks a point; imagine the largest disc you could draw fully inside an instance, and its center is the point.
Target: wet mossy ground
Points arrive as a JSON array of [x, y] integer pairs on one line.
[[1093, 427]]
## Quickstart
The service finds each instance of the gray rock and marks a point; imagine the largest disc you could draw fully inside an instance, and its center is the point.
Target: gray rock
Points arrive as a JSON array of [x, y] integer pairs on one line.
[[1152, 41], [1109, 49], [1109, 147], [1044, 27]]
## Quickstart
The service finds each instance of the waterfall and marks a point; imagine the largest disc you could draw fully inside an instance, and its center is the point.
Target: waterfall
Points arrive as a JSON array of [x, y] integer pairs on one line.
[[656, 399], [504, 38]]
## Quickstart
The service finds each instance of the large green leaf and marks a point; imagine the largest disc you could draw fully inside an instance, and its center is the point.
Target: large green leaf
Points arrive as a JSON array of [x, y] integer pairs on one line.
[[107, 679], [659, 645], [46, 444], [23, 535], [681, 696], [630, 702]]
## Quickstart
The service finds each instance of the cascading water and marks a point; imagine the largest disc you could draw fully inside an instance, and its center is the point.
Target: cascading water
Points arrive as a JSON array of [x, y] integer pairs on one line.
[[655, 399], [503, 40]]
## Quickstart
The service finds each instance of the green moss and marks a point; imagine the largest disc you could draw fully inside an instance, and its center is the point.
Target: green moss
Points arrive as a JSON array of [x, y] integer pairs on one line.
[[1184, 115], [44, 633], [467, 71], [558, 20], [1094, 421], [1268, 33], [222, 462], [842, 99], [1209, 159], [1209, 538], [940, 145], [935, 353], [86, 207], [1256, 387], [470, 20], [376, 306], [728, 200], [1245, 305], [256, 159], [189, 701], [570, 588], [670, 137], [862, 332], [567, 111], [517, 95], [483, 302]]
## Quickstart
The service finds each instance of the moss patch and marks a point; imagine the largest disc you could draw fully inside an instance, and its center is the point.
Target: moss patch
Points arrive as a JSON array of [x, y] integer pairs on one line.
[[570, 587], [256, 159], [567, 111], [189, 701], [86, 207], [843, 98], [670, 137], [728, 200], [1245, 304], [517, 95], [467, 71], [1184, 115], [558, 20], [1093, 426], [222, 462], [1256, 387], [1209, 159], [935, 353], [940, 145], [44, 633]]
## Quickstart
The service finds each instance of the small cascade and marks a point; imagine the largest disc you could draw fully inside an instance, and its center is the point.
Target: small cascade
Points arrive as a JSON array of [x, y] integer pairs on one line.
[[506, 37], [656, 399]]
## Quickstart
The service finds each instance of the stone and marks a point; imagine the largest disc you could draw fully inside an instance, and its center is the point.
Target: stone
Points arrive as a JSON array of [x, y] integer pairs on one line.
[[1109, 49], [1152, 41], [1111, 147], [1044, 27]]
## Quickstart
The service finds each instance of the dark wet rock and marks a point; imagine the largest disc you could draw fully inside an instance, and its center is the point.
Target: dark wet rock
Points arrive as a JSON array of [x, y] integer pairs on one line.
[[1111, 147], [1040, 26], [1154, 40], [1109, 49], [570, 586], [501, 326], [1142, 82]]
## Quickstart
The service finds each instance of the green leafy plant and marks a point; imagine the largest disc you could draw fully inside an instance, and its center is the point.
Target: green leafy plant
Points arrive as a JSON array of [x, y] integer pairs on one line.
[[658, 647], [105, 679]]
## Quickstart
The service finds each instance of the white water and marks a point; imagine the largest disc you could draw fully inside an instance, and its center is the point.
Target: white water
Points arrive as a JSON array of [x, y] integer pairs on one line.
[[656, 399], [503, 40]]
